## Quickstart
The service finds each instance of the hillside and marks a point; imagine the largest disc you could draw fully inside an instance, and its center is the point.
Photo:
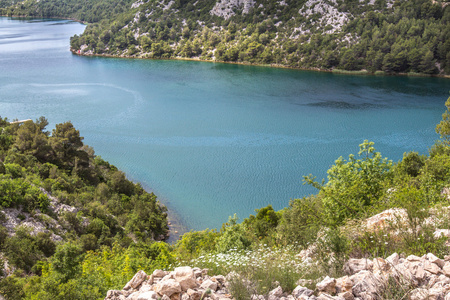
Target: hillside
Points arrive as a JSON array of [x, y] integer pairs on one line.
[[394, 36]]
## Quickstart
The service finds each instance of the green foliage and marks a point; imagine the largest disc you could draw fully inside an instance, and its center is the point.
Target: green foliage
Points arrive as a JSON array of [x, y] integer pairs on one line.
[[11, 287], [355, 185], [264, 223], [18, 192], [193, 243], [66, 260], [443, 128], [301, 221], [411, 164], [233, 236]]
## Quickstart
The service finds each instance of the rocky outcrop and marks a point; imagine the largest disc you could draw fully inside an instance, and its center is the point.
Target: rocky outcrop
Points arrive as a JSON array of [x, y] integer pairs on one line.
[[225, 8], [327, 12], [35, 223], [183, 283], [426, 277]]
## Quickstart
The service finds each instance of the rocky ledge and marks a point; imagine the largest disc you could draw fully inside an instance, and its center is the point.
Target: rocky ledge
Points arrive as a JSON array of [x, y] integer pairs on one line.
[[416, 278]]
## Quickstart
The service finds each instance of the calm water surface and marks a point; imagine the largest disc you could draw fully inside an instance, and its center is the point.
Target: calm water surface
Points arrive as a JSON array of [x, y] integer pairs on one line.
[[211, 139]]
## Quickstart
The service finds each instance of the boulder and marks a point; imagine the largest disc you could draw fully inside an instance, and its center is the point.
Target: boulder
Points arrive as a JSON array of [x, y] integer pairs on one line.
[[209, 284], [275, 293], [431, 267], [159, 273], [438, 233], [344, 284], [168, 287], [186, 277], [366, 285], [385, 218], [446, 269], [393, 259], [327, 285], [136, 281], [347, 295], [354, 265], [434, 259], [300, 290], [429, 294], [150, 295], [194, 295], [113, 295]]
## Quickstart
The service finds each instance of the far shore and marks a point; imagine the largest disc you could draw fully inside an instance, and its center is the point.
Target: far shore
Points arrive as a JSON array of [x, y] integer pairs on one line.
[[278, 66]]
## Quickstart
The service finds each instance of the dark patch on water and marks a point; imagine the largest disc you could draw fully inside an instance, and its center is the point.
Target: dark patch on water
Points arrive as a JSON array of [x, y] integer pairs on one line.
[[345, 105], [11, 36]]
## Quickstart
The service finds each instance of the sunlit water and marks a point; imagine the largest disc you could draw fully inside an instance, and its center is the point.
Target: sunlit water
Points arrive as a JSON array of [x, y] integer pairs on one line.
[[211, 139]]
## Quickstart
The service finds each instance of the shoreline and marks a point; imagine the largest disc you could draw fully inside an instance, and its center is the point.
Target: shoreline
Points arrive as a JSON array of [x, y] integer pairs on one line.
[[362, 72], [53, 18]]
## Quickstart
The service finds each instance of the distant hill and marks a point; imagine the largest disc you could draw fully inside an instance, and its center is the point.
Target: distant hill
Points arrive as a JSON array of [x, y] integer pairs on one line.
[[394, 36]]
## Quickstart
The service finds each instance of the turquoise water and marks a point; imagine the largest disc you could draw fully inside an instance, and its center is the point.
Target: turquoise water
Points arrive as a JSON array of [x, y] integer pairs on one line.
[[211, 139]]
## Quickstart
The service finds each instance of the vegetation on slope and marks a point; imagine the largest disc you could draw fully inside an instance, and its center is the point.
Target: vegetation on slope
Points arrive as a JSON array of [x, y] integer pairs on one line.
[[109, 208], [264, 248], [377, 36]]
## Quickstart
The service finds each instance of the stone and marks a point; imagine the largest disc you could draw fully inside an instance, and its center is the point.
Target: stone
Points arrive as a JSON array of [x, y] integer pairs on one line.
[[347, 295], [431, 267], [354, 265], [380, 266], [329, 297], [194, 295], [159, 273], [300, 290], [413, 258], [429, 294], [366, 285], [446, 269], [136, 281], [416, 269], [434, 259], [393, 259], [176, 296], [185, 276], [168, 287], [185, 296], [327, 285], [147, 296], [113, 294], [385, 218], [209, 284], [219, 278], [275, 293], [343, 284]]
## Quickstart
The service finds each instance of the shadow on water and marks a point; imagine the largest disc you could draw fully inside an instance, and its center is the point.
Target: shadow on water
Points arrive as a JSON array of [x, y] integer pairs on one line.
[[346, 105]]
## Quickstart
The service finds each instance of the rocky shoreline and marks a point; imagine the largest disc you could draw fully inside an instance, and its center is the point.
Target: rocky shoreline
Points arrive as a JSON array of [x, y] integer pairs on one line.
[[413, 277], [278, 66]]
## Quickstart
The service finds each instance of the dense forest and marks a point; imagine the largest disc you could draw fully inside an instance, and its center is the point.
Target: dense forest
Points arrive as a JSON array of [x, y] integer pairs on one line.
[[116, 229], [368, 36]]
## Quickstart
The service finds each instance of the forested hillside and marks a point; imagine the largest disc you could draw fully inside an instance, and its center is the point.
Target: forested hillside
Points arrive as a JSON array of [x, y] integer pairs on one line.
[[376, 36], [57, 197]]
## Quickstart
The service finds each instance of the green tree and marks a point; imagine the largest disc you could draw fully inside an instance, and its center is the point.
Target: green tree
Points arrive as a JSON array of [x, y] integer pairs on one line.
[[443, 128], [354, 185]]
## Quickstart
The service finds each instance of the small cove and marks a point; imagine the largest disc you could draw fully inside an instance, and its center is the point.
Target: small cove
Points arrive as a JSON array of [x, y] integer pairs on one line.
[[211, 139]]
